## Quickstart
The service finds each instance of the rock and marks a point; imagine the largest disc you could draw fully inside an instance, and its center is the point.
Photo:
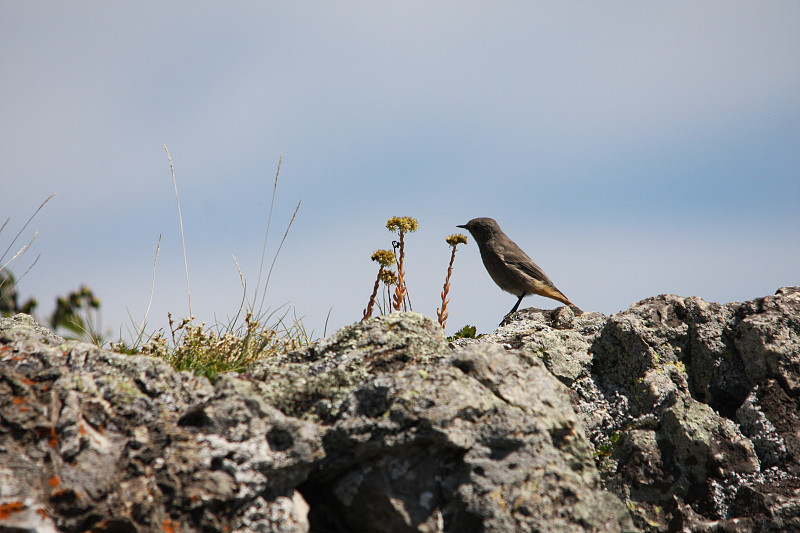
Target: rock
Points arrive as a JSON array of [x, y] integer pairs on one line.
[[23, 327], [96, 440], [463, 445], [767, 336], [694, 377], [313, 382], [692, 407], [769, 445], [674, 415], [559, 338]]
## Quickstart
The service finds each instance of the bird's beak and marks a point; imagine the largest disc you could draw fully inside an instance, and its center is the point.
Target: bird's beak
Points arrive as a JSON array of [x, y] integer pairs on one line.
[[462, 226]]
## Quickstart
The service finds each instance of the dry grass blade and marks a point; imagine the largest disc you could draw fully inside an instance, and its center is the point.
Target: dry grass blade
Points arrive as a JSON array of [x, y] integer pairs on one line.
[[266, 233], [272, 265], [180, 219], [21, 251], [26, 270], [245, 300], [25, 248], [11, 244], [152, 291]]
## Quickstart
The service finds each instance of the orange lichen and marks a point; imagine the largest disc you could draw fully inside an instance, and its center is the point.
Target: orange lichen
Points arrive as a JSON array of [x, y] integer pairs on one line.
[[7, 509], [53, 440]]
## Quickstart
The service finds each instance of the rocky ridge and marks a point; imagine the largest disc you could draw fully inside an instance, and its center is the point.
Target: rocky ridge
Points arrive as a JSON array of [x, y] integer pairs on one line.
[[674, 415]]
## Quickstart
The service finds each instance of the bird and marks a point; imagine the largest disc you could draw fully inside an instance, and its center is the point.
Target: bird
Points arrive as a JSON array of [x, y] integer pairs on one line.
[[510, 268]]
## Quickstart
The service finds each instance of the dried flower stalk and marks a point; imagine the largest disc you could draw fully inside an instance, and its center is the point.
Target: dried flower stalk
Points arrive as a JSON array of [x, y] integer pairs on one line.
[[453, 241]]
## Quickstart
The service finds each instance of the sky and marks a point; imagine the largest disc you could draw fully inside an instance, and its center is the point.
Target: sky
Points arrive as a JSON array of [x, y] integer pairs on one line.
[[630, 148]]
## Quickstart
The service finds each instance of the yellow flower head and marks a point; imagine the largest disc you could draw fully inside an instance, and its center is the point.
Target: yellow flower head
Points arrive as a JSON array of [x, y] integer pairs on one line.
[[383, 257], [402, 224], [389, 277], [456, 239]]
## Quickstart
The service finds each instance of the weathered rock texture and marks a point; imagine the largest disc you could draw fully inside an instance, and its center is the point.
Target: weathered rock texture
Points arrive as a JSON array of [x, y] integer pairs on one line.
[[93, 440], [675, 415]]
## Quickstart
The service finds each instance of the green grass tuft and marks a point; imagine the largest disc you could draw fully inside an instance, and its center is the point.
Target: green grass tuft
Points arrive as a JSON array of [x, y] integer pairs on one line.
[[209, 351]]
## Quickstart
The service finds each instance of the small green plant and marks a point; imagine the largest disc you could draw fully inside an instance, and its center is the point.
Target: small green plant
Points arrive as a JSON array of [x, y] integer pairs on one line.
[[453, 241], [9, 299], [208, 352], [79, 314], [467, 332], [604, 450]]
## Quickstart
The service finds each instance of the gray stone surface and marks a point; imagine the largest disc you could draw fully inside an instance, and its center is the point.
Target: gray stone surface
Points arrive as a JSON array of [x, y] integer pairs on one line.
[[96, 440], [674, 415], [465, 445], [692, 407]]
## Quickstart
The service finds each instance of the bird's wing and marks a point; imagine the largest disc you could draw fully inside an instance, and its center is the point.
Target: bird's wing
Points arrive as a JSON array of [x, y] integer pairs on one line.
[[520, 260]]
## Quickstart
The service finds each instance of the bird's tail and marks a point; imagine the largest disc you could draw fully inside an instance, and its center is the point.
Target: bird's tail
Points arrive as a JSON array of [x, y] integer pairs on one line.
[[555, 294]]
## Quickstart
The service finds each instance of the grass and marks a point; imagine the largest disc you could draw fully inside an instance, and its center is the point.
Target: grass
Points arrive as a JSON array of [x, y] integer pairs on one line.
[[212, 350], [76, 314], [8, 282], [252, 334]]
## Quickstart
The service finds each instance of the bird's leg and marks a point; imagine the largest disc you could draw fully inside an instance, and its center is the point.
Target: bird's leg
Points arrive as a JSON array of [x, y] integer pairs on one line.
[[516, 305]]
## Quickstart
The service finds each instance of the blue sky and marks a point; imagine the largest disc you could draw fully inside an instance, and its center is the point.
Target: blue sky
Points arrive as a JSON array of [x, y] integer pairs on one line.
[[631, 148]]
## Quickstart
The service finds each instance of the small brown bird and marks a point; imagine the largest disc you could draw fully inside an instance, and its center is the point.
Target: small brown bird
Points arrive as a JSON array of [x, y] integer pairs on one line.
[[508, 265]]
